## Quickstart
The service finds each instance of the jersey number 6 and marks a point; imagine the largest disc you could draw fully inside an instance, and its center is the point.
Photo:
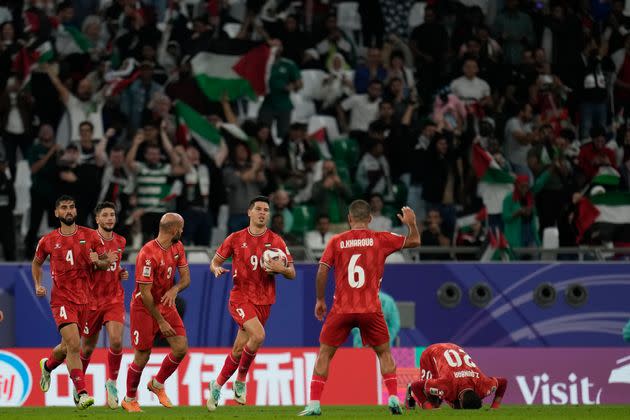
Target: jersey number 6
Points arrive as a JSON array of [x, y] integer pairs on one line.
[[356, 274]]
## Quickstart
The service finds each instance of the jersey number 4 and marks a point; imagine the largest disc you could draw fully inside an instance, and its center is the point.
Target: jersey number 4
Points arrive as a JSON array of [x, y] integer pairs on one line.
[[356, 274], [70, 257]]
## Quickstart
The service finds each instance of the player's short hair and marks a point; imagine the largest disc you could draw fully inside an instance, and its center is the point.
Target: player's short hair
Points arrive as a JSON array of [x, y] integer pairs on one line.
[[258, 199], [360, 210], [63, 198], [104, 205], [87, 123], [470, 400]]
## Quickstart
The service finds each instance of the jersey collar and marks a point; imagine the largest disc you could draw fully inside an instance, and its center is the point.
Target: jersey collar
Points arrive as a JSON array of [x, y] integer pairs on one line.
[[69, 234], [254, 235]]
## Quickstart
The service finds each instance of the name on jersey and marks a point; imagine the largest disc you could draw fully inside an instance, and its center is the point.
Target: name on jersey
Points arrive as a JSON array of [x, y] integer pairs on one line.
[[355, 243], [466, 374]]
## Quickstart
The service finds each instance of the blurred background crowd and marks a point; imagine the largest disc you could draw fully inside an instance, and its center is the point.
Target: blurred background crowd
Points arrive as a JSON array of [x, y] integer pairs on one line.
[[498, 121]]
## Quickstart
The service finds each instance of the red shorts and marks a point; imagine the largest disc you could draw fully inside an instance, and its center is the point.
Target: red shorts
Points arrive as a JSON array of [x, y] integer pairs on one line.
[[144, 328], [96, 318], [244, 311], [337, 327], [69, 313]]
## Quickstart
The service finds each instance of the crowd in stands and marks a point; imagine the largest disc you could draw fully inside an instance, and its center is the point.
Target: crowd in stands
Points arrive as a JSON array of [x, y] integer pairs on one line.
[[392, 101]]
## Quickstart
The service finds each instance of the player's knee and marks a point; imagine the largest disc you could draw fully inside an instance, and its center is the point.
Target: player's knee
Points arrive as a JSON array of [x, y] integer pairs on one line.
[[115, 344], [73, 345], [141, 358], [258, 338], [87, 350], [180, 351]]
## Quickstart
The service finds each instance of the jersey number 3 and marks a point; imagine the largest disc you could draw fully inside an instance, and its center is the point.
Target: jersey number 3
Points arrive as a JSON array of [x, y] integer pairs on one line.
[[356, 274]]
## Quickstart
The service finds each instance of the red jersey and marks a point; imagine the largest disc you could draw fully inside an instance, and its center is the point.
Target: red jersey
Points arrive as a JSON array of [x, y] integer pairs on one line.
[[70, 266], [358, 257], [156, 265], [105, 286], [251, 281], [455, 372]]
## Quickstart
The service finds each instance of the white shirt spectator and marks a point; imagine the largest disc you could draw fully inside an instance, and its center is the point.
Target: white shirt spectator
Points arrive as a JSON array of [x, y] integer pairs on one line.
[[316, 241], [470, 90], [90, 110], [381, 223], [362, 111], [515, 152]]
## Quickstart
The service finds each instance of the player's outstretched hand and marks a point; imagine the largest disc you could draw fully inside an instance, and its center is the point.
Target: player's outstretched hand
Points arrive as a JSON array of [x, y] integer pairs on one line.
[[124, 274], [40, 291], [320, 310], [408, 217], [166, 329], [168, 298], [218, 271]]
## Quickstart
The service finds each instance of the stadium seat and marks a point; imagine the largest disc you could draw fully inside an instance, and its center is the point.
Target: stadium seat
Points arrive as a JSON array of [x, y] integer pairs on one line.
[[303, 219], [348, 15], [416, 14], [303, 108], [346, 150], [551, 240], [329, 123], [400, 194], [198, 257], [232, 29], [312, 83], [396, 257], [22, 188], [253, 107]]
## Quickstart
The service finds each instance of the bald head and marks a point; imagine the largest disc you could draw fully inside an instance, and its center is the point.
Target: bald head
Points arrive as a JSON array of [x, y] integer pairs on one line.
[[172, 224]]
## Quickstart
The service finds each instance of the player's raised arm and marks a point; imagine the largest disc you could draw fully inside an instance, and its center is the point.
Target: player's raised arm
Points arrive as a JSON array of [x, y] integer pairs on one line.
[[498, 395], [320, 285], [408, 217]]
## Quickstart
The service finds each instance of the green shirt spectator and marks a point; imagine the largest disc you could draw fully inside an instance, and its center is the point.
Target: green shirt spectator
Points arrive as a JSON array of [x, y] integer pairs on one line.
[[284, 72]]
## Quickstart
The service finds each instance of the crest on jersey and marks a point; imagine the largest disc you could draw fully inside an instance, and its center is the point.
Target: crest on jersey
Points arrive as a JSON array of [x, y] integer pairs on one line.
[[176, 256], [268, 245], [244, 245], [82, 241], [146, 271]]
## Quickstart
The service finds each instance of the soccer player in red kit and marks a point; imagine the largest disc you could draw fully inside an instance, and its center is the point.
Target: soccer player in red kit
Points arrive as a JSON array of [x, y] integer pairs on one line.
[[107, 306], [153, 309], [253, 294], [74, 252], [447, 373], [358, 258]]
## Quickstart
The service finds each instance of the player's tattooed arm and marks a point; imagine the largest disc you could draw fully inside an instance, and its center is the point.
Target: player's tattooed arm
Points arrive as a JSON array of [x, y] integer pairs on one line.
[[408, 217], [321, 279], [36, 270], [149, 303], [498, 395], [215, 265]]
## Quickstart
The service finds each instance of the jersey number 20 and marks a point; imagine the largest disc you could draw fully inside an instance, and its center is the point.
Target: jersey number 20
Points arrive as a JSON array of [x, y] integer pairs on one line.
[[454, 360]]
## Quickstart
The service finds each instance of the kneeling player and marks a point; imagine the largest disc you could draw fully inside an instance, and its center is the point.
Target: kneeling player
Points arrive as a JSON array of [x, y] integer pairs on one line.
[[153, 309], [448, 374]]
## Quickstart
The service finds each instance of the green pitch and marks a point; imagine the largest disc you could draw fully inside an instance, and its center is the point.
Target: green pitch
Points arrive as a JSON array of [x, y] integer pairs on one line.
[[330, 412]]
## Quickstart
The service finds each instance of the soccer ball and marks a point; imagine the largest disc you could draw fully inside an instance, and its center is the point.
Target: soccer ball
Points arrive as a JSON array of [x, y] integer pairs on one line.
[[275, 254]]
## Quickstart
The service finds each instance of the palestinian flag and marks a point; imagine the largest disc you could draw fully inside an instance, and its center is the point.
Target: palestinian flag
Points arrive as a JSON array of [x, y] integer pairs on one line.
[[76, 42], [464, 226], [607, 176], [494, 182], [233, 67], [498, 248], [607, 214], [26, 60], [119, 80], [192, 125]]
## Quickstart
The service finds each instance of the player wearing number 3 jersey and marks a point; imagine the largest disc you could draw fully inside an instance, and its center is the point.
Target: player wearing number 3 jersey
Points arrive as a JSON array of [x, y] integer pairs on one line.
[[253, 294], [358, 258]]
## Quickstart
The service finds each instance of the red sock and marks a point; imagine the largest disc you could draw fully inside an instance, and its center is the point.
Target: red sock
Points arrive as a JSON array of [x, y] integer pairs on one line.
[[317, 387], [52, 362], [243, 367], [133, 379], [85, 361], [113, 364], [229, 367], [169, 365], [391, 383], [78, 379]]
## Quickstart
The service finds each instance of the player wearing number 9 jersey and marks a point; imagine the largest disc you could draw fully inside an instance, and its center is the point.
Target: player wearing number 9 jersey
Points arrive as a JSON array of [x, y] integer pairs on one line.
[[358, 258], [253, 294], [447, 373]]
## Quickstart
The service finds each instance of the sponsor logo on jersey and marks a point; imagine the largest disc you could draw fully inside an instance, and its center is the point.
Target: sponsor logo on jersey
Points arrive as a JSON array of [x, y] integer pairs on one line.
[[176, 256], [15, 380], [57, 246], [147, 262]]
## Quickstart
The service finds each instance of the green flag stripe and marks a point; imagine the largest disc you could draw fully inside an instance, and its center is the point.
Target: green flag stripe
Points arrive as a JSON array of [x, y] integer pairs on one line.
[[611, 199], [214, 88], [197, 124]]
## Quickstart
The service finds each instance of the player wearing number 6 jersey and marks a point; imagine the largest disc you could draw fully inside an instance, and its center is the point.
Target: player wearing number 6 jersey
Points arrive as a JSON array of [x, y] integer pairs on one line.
[[107, 304], [358, 258], [74, 252], [447, 373], [253, 294], [153, 309]]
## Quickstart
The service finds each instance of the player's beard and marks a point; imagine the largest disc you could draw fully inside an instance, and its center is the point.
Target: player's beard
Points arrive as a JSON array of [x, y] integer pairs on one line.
[[176, 238], [68, 221], [107, 229]]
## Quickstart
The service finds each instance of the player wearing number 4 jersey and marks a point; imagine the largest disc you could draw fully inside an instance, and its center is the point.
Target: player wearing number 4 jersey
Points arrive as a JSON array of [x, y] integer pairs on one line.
[[75, 251], [447, 373], [358, 258], [153, 309], [253, 293]]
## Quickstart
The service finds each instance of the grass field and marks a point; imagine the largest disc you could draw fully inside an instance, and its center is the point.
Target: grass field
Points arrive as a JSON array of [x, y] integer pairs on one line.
[[333, 412]]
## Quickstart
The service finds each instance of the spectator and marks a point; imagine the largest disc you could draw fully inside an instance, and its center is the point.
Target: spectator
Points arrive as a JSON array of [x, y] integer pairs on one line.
[[135, 99], [595, 154], [363, 110], [7, 205], [392, 320], [433, 234], [418, 171], [398, 69], [281, 204], [593, 89], [617, 26], [316, 240], [194, 201], [43, 162], [185, 88], [519, 136], [338, 84], [621, 59], [285, 78], [471, 89], [312, 173], [8, 48], [373, 173], [449, 112], [118, 186], [379, 222], [16, 120], [277, 226], [334, 42], [154, 187], [372, 24], [244, 178], [519, 215], [373, 69], [87, 145], [294, 41], [331, 195], [559, 41], [85, 106], [398, 140], [514, 30]]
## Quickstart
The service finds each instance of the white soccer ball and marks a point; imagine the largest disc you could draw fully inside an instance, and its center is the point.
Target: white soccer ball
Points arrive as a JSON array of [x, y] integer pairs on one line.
[[275, 254]]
